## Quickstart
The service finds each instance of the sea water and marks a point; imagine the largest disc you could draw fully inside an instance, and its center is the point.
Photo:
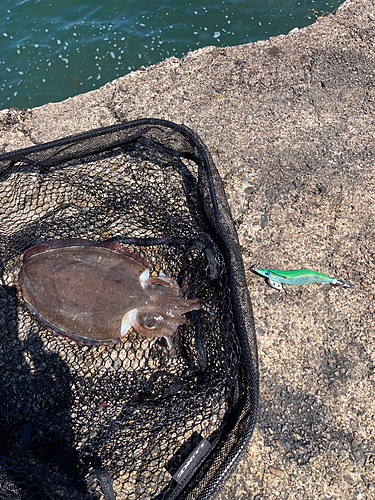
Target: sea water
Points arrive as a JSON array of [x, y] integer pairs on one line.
[[54, 49]]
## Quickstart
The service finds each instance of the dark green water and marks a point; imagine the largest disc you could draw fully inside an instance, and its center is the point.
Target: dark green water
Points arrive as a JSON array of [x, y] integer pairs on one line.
[[54, 49]]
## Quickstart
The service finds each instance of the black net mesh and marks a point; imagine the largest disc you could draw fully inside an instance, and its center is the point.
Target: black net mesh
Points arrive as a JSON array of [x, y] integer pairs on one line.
[[119, 421]]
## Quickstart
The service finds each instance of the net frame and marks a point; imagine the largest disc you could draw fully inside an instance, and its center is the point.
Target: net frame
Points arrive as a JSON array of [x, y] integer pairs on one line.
[[216, 466]]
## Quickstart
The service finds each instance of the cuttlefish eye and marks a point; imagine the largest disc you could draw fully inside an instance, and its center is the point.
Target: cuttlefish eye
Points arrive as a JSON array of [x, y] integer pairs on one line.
[[149, 320]]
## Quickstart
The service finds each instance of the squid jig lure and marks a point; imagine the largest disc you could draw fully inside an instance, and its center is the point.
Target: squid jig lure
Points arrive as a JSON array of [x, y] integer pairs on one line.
[[277, 278]]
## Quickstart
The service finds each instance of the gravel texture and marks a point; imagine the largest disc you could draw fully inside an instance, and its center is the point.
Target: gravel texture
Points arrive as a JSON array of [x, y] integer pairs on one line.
[[290, 123]]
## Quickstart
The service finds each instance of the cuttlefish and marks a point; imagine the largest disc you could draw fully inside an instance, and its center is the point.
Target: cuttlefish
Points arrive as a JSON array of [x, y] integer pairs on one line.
[[93, 293]]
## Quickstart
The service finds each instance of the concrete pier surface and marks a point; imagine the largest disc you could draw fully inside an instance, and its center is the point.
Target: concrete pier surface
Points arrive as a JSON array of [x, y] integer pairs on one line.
[[290, 123]]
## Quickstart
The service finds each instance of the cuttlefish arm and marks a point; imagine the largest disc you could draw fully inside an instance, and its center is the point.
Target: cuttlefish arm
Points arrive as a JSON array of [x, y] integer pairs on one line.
[[165, 310]]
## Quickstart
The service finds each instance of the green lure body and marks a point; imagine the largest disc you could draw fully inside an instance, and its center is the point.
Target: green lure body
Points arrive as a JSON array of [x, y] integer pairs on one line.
[[276, 278]]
